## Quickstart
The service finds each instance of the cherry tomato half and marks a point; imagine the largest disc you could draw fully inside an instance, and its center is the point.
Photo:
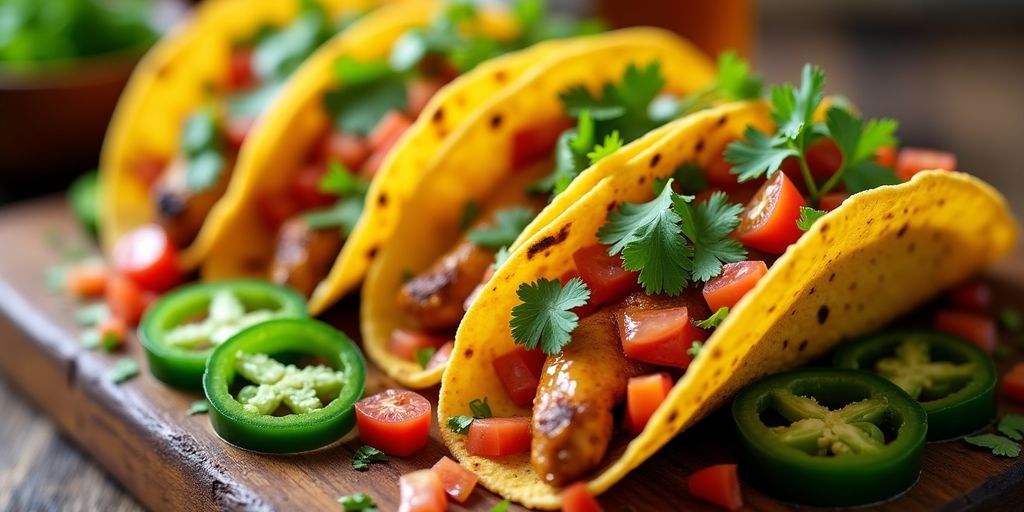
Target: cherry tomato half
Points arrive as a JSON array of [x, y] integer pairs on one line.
[[147, 256], [769, 221], [456, 480], [733, 283], [497, 437], [394, 421], [421, 491]]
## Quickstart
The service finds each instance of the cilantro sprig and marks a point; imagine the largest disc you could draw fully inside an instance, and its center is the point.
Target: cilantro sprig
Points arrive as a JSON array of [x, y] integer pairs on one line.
[[357, 502], [508, 224], [365, 456], [734, 82], [351, 191], [1011, 426], [545, 316]]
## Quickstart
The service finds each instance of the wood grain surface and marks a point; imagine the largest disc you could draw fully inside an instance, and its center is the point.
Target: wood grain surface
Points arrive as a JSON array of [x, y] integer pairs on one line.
[[141, 433]]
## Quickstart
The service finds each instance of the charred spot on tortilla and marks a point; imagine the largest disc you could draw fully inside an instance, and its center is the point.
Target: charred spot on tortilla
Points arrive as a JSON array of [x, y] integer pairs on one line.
[[372, 253], [382, 200], [722, 120], [785, 344], [942, 202], [771, 309], [438, 115], [611, 206], [912, 247], [902, 231], [822, 314], [699, 146], [832, 277], [673, 416], [811, 292], [642, 180], [500, 76], [655, 159], [468, 353], [496, 120], [823, 228], [803, 345], [548, 242], [888, 216]]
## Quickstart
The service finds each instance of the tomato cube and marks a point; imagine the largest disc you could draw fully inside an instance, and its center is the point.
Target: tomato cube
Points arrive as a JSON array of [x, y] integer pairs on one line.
[[577, 498], [735, 281], [405, 343], [421, 491], [456, 480], [644, 395], [658, 336], [520, 371], [719, 485], [603, 274], [497, 437]]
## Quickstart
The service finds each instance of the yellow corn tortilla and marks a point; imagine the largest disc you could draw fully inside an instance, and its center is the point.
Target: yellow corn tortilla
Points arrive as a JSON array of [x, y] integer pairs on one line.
[[169, 83], [241, 246], [476, 161], [876, 257]]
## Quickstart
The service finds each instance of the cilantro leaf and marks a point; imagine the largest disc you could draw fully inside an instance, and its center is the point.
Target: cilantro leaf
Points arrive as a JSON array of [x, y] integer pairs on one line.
[[281, 52], [808, 216], [199, 407], [689, 177], [999, 445], [350, 72], [459, 424], [343, 215], [90, 339], [867, 175], [648, 237], [123, 370], [695, 349], [714, 320], [856, 141], [358, 502], [358, 107], [793, 109], [423, 355], [612, 143], [470, 212], [622, 106], [508, 224], [88, 316], [708, 226], [340, 181], [545, 315], [1011, 319], [577, 99], [502, 506], [480, 408], [500, 258], [1012, 426], [365, 456], [735, 82], [758, 155]]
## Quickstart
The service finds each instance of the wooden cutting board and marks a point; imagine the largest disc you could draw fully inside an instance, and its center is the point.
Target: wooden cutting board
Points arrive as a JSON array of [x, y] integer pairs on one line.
[[141, 433]]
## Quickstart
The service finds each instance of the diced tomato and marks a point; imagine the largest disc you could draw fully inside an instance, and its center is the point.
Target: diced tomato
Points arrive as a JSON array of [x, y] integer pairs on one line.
[[769, 220], [147, 256], [719, 174], [577, 498], [910, 161], [350, 150], [497, 437], [604, 275], [441, 357], [535, 142], [719, 485], [111, 330], [973, 296], [87, 280], [419, 93], [394, 421], [305, 187], [886, 156], [126, 299], [519, 371], [456, 480], [832, 200], [658, 336], [976, 328], [388, 130], [275, 209], [644, 395], [421, 491], [733, 283], [1013, 383], [405, 343], [148, 169], [824, 158], [240, 74], [237, 129]]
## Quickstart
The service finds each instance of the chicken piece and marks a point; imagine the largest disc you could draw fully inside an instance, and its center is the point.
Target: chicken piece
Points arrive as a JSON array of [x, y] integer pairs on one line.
[[303, 256], [436, 296], [181, 210], [572, 413]]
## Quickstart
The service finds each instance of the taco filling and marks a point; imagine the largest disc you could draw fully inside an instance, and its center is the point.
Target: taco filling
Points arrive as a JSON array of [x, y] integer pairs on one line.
[[184, 186], [544, 162], [371, 106], [633, 313]]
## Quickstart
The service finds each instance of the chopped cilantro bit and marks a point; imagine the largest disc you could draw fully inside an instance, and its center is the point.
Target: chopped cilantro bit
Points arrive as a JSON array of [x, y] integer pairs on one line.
[[201, 142], [344, 215], [612, 143], [480, 408], [571, 158], [88, 316], [423, 355], [199, 407], [999, 445], [365, 456], [1012, 426], [735, 82], [545, 315], [56, 278], [707, 226], [459, 424], [341, 182], [90, 339], [470, 212], [808, 216], [502, 506], [281, 52], [358, 502], [714, 320], [368, 91], [507, 226], [1011, 319], [123, 370], [275, 383], [695, 349], [500, 258]]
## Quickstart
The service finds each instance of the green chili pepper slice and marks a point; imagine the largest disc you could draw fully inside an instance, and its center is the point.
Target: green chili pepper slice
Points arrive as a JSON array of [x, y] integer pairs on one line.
[[829, 437], [954, 380], [243, 420], [180, 331]]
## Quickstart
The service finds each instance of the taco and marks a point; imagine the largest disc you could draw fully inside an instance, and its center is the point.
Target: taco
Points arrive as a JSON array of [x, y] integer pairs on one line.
[[515, 154], [194, 98], [358, 125], [701, 293]]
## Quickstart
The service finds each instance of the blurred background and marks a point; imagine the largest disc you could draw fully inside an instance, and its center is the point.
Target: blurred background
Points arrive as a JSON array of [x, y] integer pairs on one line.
[[951, 71]]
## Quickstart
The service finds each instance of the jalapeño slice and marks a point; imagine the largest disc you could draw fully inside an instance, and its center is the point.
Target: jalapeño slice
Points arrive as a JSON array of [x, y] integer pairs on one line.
[[260, 403], [954, 380], [829, 437], [180, 331]]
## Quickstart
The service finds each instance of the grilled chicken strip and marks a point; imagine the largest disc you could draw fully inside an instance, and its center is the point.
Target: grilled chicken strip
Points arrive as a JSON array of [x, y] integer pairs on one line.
[[181, 210], [572, 412], [303, 256]]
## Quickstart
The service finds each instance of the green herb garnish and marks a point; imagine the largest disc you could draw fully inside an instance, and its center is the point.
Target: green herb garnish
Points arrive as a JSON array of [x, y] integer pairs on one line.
[[199, 407], [695, 349], [358, 502], [480, 408], [459, 424], [1012, 426], [999, 445], [545, 316], [808, 216], [423, 356], [123, 370], [365, 456], [1011, 319], [714, 320], [508, 224]]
